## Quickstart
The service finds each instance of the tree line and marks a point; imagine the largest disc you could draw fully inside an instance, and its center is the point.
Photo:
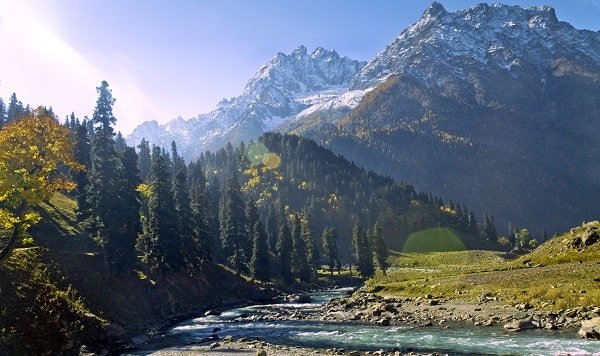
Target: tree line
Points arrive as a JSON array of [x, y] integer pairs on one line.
[[275, 209]]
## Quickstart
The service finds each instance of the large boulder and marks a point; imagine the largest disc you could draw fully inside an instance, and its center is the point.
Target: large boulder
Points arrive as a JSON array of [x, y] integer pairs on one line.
[[518, 325], [590, 329]]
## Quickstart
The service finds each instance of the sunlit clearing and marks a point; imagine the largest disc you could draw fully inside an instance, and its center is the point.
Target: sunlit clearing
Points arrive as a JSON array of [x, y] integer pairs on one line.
[[259, 153], [436, 239]]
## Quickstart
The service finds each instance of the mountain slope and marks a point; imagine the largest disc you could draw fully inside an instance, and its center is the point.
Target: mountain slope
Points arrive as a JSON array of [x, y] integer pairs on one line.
[[297, 175], [285, 86], [58, 296], [497, 106]]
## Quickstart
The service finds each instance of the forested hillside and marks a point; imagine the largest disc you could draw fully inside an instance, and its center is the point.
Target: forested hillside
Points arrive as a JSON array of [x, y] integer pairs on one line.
[[287, 172], [89, 225]]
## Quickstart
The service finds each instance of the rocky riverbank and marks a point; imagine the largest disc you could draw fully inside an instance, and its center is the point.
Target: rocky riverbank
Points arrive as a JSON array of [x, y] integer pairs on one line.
[[429, 311], [246, 347]]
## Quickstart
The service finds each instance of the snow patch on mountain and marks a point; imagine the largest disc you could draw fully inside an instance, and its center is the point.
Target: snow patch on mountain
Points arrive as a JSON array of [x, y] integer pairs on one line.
[[501, 36], [280, 89], [301, 89]]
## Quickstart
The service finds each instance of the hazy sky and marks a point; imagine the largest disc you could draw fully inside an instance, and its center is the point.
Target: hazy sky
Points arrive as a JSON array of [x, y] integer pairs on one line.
[[165, 59]]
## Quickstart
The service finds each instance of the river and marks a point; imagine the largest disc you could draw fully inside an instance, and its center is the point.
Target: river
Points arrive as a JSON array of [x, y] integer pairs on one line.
[[356, 336]]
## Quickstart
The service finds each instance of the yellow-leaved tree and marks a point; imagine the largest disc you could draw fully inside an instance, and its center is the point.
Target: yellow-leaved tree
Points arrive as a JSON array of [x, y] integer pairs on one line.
[[36, 153]]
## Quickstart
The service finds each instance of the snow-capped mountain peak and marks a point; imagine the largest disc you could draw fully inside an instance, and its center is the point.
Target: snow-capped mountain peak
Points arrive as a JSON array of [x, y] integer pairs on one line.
[[280, 89], [503, 36], [440, 50]]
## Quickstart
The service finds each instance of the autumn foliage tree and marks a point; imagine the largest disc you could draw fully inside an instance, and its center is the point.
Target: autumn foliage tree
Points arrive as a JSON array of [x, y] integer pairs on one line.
[[35, 151]]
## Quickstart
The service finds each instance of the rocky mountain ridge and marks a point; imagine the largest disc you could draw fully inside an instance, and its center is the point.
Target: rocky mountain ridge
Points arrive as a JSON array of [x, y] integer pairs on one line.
[[284, 87]]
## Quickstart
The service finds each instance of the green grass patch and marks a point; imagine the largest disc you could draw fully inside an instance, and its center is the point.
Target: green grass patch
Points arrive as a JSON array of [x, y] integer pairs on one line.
[[435, 239], [559, 274]]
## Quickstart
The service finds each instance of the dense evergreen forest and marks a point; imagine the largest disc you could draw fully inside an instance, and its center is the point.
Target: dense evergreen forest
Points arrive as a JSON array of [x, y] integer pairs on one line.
[[275, 209]]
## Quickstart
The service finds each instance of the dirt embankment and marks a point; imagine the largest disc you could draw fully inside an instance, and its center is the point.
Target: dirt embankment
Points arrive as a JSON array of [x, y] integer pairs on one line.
[[55, 302]]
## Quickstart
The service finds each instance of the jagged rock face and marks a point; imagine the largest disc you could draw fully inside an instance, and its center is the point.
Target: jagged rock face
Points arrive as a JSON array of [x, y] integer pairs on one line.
[[497, 106], [282, 88], [492, 37]]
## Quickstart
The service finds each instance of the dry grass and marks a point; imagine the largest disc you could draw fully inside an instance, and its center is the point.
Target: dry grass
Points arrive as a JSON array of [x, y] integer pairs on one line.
[[555, 276]]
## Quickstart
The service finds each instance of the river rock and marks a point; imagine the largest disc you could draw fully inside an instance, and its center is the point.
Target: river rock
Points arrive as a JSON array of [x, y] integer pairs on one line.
[[212, 312], [518, 325], [214, 345], [228, 338], [385, 321], [590, 329], [261, 353]]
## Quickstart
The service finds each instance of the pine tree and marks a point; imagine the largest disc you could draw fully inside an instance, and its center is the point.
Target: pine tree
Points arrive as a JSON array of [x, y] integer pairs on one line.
[[214, 197], [82, 152], [284, 255], [183, 210], [252, 216], [232, 224], [161, 244], [122, 245], [489, 228], [201, 210], [3, 118], [259, 263], [379, 250], [312, 251], [15, 108], [105, 200], [362, 249], [271, 227], [472, 223], [300, 266], [144, 160], [120, 144], [330, 247]]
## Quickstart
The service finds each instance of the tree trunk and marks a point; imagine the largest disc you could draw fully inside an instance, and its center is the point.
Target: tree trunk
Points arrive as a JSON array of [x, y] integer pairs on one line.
[[11, 243]]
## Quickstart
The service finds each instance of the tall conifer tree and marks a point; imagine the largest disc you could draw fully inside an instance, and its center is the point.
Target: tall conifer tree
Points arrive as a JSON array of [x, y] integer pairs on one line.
[[144, 160], [82, 152], [181, 197], [312, 250], [3, 118], [330, 247], [380, 252], [104, 193], [201, 212], [362, 251], [161, 244], [284, 253], [259, 263], [232, 224], [15, 108], [300, 265]]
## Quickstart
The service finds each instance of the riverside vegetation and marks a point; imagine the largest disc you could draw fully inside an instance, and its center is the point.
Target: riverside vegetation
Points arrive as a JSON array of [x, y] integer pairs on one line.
[[104, 245]]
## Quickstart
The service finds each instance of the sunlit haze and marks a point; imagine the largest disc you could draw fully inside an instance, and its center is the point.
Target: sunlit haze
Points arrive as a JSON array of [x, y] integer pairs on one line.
[[169, 59]]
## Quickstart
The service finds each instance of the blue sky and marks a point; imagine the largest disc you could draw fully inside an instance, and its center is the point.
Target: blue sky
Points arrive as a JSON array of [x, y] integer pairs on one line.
[[165, 59]]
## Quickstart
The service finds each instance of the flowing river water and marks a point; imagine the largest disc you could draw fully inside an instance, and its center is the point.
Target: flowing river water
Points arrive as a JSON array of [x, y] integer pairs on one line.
[[356, 336]]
